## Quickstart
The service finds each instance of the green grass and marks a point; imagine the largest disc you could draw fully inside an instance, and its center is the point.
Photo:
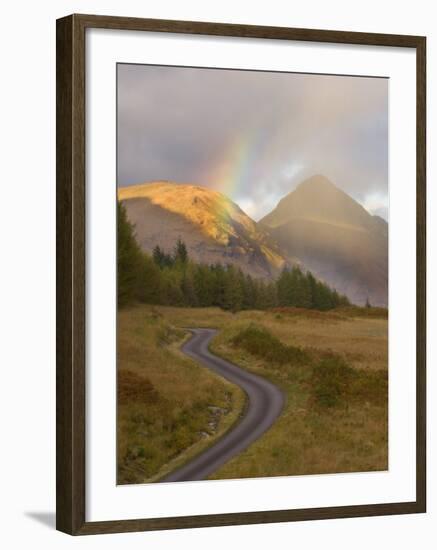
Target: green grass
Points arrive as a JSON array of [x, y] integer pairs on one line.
[[335, 383], [259, 342]]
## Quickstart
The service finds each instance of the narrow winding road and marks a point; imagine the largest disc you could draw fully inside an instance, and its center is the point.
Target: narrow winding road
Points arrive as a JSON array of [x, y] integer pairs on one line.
[[265, 404]]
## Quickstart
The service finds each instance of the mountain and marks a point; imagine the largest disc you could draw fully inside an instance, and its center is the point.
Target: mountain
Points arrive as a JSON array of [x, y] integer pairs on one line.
[[214, 229], [335, 238]]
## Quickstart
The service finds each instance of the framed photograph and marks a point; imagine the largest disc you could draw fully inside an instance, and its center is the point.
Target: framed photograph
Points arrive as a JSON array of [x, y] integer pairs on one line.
[[240, 274]]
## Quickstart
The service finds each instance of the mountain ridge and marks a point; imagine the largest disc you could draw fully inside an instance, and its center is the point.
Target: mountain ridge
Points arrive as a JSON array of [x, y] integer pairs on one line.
[[316, 226], [323, 199], [335, 237], [214, 228]]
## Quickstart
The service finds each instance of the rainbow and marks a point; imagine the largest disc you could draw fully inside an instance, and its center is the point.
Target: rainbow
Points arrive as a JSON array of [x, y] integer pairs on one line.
[[233, 171], [233, 175]]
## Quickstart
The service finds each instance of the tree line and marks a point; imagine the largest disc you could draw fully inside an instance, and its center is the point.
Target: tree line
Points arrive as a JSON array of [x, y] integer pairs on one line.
[[174, 279]]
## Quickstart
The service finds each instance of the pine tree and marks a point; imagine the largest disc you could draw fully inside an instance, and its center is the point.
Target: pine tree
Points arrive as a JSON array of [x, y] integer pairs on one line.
[[218, 284], [188, 287], [299, 292], [180, 252], [335, 298], [149, 287], [161, 258], [344, 301], [202, 279], [283, 285], [312, 286], [175, 280], [302, 290], [233, 291], [260, 299], [324, 297], [271, 295], [158, 256], [172, 292], [249, 293], [129, 259]]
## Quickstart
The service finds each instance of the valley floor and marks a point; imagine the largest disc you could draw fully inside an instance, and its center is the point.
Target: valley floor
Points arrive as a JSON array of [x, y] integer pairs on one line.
[[331, 365]]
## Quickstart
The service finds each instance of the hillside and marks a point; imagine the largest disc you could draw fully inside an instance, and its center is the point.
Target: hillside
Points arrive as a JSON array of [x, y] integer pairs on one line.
[[335, 238], [214, 229]]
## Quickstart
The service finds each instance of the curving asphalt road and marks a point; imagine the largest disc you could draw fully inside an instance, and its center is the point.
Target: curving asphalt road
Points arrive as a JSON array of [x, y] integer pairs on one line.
[[265, 404]]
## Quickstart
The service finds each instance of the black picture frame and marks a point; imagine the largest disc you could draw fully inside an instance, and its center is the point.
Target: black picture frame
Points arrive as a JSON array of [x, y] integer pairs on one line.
[[71, 283]]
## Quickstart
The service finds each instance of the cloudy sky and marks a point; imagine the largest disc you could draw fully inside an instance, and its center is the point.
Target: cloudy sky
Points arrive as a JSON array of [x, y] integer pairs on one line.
[[253, 135]]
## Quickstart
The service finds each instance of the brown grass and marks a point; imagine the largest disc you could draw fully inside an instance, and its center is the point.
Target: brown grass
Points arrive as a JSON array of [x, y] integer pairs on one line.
[[336, 417], [165, 400], [367, 312], [302, 313], [132, 388], [312, 436]]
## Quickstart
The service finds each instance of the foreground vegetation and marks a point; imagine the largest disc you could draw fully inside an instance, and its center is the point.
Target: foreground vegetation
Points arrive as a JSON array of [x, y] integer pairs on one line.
[[334, 373], [169, 407], [332, 366]]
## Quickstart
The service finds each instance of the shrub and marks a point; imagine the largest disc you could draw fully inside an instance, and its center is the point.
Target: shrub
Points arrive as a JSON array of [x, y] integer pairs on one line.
[[331, 379], [370, 386], [334, 382], [260, 342], [133, 388]]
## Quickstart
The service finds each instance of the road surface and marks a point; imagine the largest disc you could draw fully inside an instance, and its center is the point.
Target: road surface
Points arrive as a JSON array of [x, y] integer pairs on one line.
[[265, 404]]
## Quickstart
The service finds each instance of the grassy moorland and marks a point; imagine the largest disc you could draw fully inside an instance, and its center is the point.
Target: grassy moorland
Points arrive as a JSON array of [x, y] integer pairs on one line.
[[334, 372], [332, 366], [169, 407]]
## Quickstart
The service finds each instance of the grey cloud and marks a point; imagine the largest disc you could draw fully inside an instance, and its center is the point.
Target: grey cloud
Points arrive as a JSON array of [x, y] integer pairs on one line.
[[179, 123]]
